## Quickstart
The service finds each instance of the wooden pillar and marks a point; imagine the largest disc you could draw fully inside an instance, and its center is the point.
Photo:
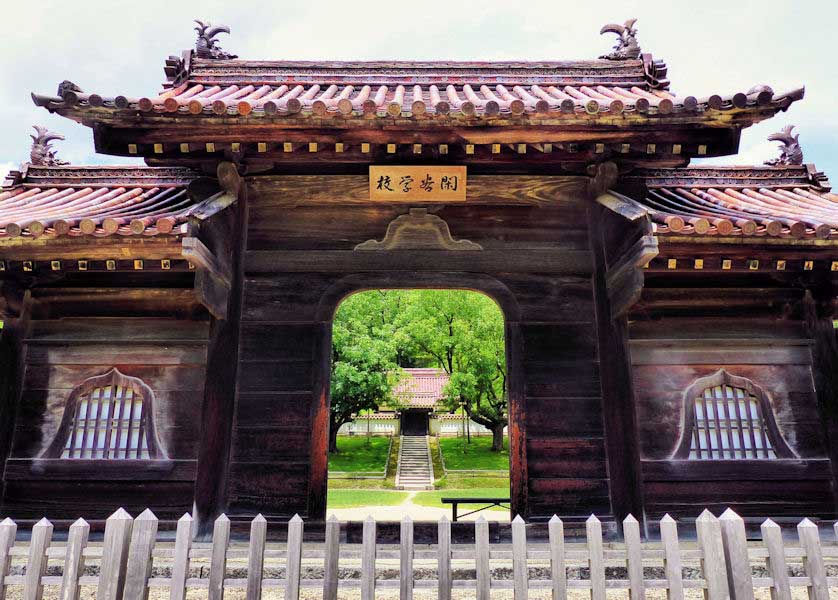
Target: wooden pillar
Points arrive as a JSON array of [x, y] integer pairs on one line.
[[518, 472], [825, 370], [218, 409], [619, 419], [12, 361], [319, 419]]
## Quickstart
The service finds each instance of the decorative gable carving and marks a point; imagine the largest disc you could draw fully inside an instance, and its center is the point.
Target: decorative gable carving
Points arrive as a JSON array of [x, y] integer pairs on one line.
[[418, 230]]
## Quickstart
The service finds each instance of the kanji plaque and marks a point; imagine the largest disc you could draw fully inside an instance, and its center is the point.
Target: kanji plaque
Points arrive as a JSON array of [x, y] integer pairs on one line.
[[418, 183]]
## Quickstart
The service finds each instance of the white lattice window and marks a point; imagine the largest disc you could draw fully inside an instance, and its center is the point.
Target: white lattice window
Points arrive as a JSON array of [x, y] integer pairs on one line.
[[729, 418], [108, 417]]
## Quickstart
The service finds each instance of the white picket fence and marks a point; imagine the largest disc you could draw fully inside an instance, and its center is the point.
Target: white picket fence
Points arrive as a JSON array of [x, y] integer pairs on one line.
[[723, 563]]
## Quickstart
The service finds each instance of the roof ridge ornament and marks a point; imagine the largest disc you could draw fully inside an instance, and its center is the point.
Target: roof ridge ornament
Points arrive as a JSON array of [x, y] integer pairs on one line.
[[626, 47], [42, 154], [206, 44], [790, 153]]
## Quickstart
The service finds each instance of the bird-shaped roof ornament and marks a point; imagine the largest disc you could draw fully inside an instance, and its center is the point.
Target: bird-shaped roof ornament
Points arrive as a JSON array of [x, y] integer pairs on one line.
[[42, 154], [626, 47], [790, 152], [206, 45]]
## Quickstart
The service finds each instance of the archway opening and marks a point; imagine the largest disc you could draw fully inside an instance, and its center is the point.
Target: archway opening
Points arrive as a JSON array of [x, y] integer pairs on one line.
[[419, 405]]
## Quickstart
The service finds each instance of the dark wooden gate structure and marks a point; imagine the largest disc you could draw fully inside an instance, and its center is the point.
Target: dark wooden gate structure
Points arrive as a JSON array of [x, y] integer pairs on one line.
[[655, 312]]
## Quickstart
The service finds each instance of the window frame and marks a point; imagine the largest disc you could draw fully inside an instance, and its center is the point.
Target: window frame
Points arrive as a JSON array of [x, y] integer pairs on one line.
[[723, 378], [114, 378]]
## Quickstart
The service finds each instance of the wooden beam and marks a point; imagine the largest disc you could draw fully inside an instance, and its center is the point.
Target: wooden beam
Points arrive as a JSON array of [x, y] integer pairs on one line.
[[618, 402], [624, 281], [225, 233], [212, 281], [487, 261]]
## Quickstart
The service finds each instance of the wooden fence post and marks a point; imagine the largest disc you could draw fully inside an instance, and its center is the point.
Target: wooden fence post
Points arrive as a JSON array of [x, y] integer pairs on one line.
[[735, 545], [481, 558], [36, 566], [443, 560], [143, 537], [368, 560], [634, 558], [180, 564], [293, 564], [74, 560], [520, 575], [332, 559], [712, 555], [114, 556], [8, 532], [218, 559], [558, 572], [406, 559], [596, 560], [672, 558], [810, 541], [256, 557], [776, 564]]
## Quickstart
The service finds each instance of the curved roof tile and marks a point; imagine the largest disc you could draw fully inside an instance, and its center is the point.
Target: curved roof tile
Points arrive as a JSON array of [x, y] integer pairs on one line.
[[95, 201]]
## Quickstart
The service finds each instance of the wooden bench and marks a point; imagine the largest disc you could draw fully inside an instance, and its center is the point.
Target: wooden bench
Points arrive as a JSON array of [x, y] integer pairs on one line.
[[489, 502]]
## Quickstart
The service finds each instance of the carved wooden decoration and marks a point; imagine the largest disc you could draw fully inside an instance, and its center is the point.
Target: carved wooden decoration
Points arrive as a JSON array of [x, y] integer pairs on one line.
[[624, 280], [602, 177], [743, 439], [102, 411], [418, 230]]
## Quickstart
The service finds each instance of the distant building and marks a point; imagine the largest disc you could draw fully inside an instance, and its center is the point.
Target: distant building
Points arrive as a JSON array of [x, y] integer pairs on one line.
[[417, 409]]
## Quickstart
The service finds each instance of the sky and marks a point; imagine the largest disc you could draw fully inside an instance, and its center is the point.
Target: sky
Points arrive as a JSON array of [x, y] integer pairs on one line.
[[118, 47]]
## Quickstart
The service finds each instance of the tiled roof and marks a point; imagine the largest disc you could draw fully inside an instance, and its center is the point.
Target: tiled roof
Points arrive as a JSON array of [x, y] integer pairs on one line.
[[422, 388], [770, 201], [417, 90], [99, 201]]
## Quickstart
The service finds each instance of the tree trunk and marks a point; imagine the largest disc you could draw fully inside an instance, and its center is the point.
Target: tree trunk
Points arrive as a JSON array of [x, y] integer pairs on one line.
[[333, 438], [497, 437]]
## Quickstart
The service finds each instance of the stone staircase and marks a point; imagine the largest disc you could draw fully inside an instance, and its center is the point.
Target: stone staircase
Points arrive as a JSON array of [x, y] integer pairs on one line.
[[415, 470]]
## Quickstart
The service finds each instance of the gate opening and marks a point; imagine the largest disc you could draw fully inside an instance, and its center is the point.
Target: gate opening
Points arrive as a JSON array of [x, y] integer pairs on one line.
[[419, 405]]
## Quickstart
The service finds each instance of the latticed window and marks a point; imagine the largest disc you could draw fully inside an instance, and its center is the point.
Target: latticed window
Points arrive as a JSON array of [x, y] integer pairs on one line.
[[108, 417], [729, 418]]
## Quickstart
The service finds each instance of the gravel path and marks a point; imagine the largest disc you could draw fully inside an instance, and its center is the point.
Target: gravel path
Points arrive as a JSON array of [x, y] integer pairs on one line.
[[414, 511]]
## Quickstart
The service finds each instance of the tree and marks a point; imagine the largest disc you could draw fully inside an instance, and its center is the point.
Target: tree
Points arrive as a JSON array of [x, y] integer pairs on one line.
[[463, 333], [364, 357]]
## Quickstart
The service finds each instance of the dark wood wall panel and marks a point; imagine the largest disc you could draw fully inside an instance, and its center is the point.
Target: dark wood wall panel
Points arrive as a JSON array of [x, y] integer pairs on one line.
[[271, 446], [286, 316], [668, 356], [169, 355]]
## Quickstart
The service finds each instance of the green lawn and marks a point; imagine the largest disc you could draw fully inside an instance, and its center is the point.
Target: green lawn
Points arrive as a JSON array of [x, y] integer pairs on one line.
[[433, 498], [357, 453], [354, 498], [462, 456]]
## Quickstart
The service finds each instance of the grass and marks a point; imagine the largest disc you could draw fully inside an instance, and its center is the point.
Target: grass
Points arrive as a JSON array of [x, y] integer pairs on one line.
[[359, 454], [388, 483], [434, 498], [339, 498], [462, 456]]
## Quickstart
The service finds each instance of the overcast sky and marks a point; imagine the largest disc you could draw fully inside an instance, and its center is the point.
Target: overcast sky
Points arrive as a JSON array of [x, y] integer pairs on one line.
[[118, 47]]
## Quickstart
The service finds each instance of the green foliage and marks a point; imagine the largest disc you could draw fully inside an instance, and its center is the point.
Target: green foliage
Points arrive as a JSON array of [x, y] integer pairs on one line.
[[364, 352], [459, 331], [358, 454], [463, 333], [478, 455]]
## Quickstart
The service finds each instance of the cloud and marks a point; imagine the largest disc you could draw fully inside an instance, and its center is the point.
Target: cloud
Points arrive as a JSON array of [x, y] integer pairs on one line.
[[710, 47]]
